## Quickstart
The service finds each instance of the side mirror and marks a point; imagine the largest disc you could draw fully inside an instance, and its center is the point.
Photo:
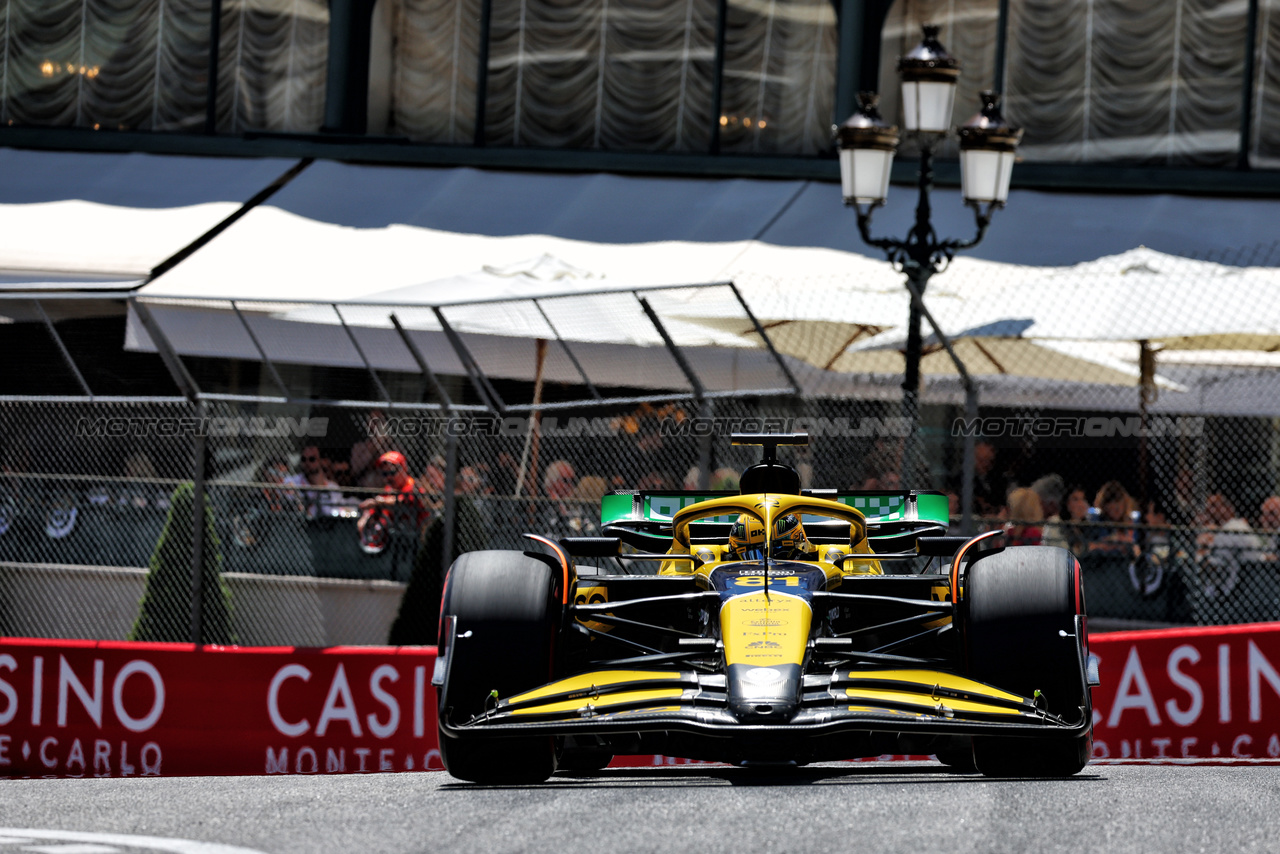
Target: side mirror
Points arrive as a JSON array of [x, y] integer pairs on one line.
[[592, 546], [939, 546]]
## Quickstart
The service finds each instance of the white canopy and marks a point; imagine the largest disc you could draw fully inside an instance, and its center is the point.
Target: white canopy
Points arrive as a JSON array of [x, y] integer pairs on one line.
[[362, 236], [1141, 295], [104, 221]]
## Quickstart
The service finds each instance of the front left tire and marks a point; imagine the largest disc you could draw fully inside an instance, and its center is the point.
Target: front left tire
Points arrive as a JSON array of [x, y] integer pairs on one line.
[[1021, 605]]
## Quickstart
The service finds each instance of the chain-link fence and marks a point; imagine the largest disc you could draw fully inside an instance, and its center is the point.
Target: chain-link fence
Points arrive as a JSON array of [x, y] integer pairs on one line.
[[1127, 410]]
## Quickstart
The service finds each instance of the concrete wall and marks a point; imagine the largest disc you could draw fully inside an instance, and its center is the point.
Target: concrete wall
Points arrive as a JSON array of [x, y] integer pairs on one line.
[[101, 603]]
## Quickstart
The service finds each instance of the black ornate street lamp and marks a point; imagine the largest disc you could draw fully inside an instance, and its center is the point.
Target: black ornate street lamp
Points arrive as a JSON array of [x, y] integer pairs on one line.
[[867, 146]]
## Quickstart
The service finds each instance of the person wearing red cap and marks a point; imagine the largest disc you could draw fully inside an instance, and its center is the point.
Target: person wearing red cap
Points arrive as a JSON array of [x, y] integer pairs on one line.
[[402, 504]]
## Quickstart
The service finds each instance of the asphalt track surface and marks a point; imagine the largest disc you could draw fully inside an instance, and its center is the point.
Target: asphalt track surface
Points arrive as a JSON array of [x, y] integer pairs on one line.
[[875, 807]]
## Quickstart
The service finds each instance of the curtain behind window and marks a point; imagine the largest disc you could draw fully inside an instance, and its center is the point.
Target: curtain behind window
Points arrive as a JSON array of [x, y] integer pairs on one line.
[[619, 74], [433, 90], [273, 56], [143, 64], [95, 63], [1154, 82]]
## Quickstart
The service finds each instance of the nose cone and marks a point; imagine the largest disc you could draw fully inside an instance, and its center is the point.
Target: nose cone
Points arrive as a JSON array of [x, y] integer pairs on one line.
[[764, 694]]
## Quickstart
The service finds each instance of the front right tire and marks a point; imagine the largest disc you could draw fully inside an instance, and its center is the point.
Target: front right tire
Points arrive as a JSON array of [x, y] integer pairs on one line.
[[506, 622]]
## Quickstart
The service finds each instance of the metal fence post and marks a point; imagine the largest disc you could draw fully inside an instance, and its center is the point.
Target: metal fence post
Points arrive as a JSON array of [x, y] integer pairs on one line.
[[197, 530], [970, 453], [450, 509], [706, 411]]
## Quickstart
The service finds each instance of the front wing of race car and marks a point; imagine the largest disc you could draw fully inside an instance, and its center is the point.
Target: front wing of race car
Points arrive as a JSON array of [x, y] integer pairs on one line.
[[848, 699]]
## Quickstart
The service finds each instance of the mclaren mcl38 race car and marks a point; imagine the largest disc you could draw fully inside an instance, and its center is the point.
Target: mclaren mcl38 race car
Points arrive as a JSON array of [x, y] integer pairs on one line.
[[777, 626]]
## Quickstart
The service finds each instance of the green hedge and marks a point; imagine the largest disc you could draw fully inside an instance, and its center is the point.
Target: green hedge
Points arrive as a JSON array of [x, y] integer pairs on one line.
[[165, 614]]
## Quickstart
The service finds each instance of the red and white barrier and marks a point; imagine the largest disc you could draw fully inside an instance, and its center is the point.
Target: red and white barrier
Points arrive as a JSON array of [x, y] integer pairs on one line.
[[114, 709], [1210, 692], [108, 709]]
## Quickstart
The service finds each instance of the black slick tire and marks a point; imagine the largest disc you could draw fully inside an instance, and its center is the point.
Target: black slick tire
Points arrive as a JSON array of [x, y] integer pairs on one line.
[[506, 621], [958, 759], [1019, 628], [580, 761]]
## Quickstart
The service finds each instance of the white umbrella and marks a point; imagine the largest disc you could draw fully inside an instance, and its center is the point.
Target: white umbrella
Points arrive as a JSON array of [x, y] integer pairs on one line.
[[814, 324], [1142, 295], [1065, 324], [998, 349]]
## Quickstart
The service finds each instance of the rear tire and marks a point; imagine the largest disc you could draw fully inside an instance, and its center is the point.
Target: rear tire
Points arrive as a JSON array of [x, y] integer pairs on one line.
[[1018, 601], [505, 601]]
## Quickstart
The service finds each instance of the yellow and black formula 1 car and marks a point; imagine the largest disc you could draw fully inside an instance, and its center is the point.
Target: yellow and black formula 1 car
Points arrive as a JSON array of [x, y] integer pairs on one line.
[[772, 632]]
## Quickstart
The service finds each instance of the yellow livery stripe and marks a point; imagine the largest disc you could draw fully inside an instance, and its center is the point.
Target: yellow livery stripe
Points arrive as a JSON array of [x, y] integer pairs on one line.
[[926, 679], [923, 701], [597, 679], [606, 701]]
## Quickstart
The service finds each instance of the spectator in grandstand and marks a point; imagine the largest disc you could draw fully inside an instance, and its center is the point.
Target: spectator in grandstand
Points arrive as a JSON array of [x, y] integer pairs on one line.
[[400, 492], [583, 506], [397, 516], [1024, 527], [1153, 536], [989, 488], [691, 478], [880, 481], [468, 482], [1269, 524], [654, 481], [1050, 489], [323, 491], [1226, 535], [1224, 542], [725, 480], [559, 480], [340, 471], [272, 471], [366, 452], [1113, 513], [433, 475], [502, 477], [1066, 529], [645, 429], [803, 465], [722, 479]]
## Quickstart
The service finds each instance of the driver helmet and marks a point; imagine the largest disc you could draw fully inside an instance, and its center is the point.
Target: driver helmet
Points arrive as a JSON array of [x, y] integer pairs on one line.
[[788, 537], [747, 541]]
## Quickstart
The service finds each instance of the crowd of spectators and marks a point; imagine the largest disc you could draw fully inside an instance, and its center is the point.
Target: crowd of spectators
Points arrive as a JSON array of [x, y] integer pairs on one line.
[[1111, 520], [561, 496]]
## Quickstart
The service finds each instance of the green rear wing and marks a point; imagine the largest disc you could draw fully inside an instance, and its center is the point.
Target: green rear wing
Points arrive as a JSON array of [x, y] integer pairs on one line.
[[877, 507]]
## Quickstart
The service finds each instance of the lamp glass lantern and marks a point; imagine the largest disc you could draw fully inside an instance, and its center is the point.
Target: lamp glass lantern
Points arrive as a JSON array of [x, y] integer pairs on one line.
[[988, 147], [867, 146], [929, 77]]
